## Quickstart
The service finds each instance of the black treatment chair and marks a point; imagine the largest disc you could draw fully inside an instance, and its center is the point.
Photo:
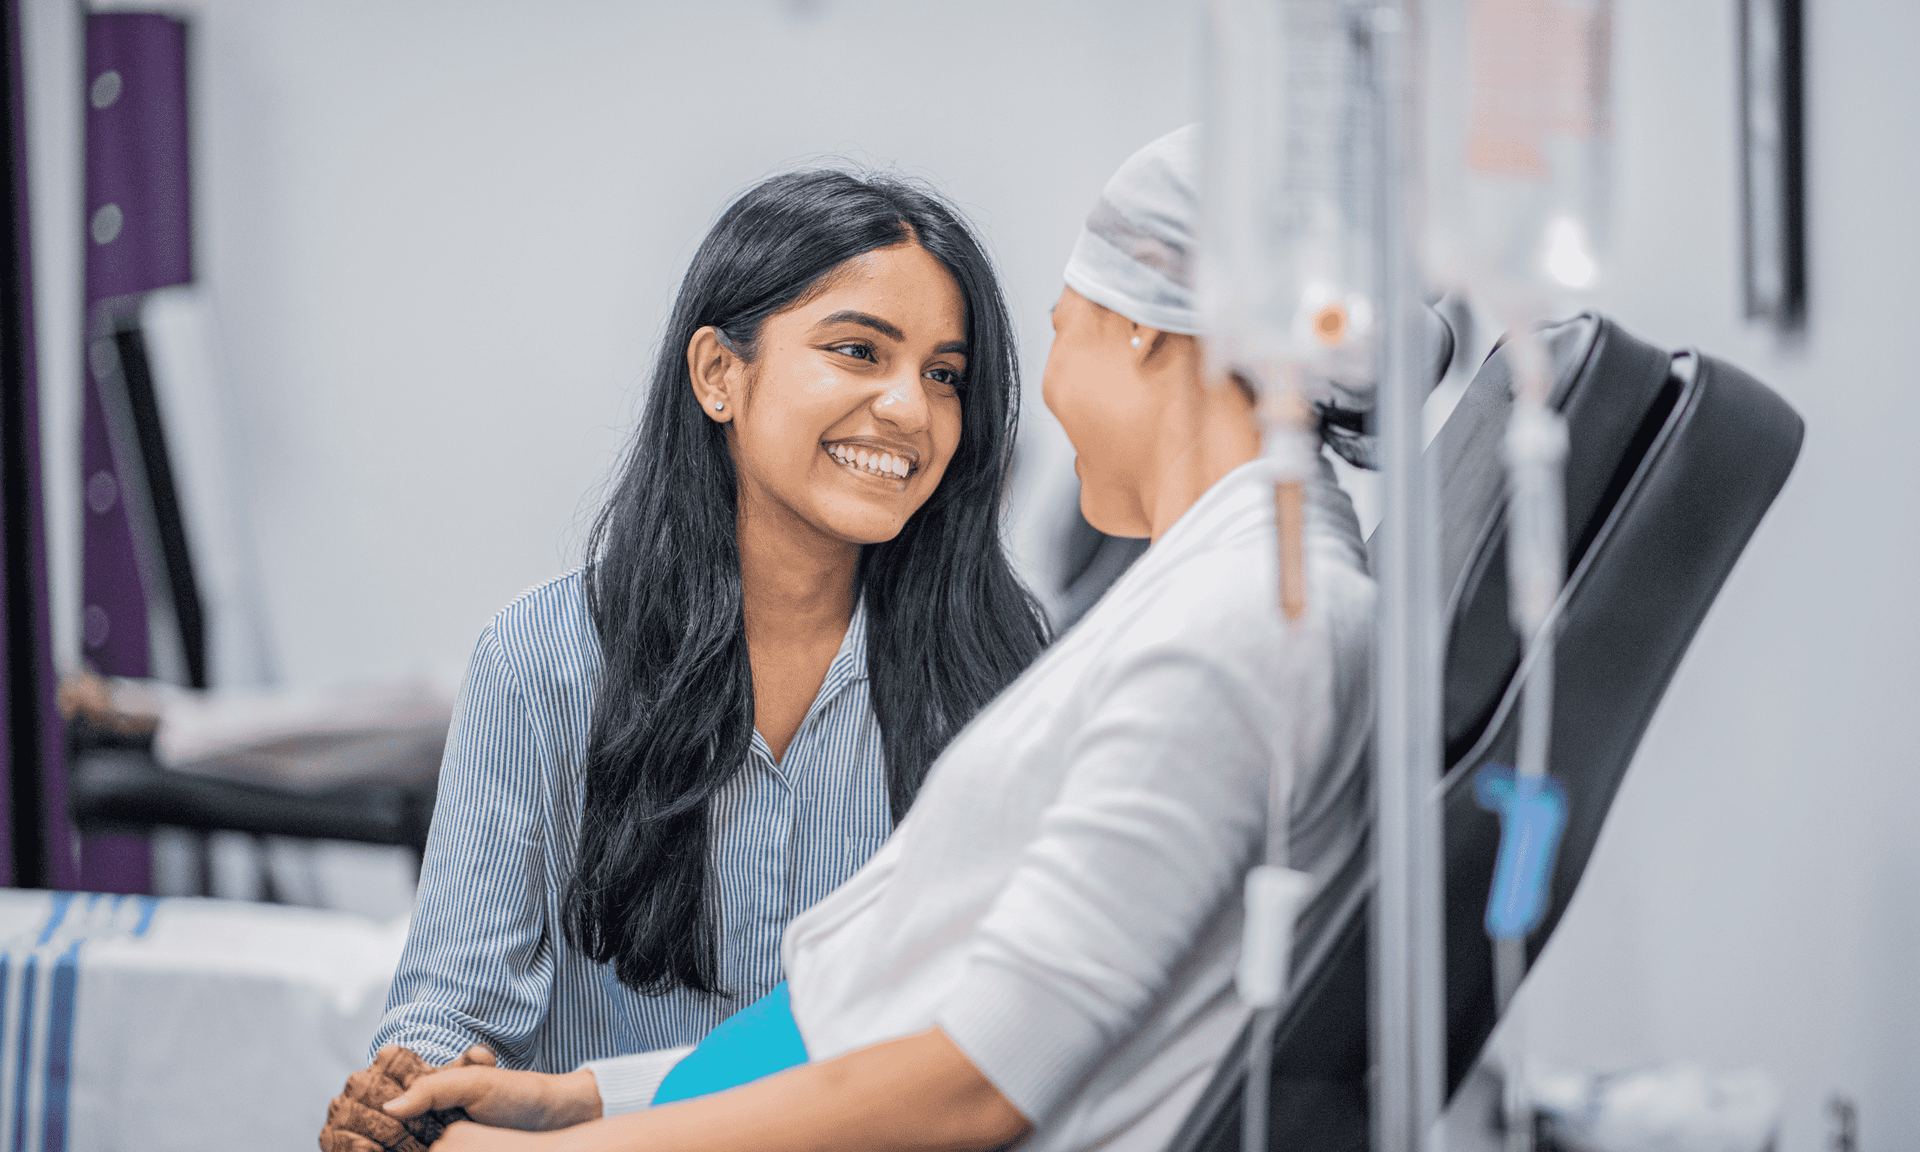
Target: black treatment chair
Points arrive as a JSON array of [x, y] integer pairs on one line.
[[1674, 459], [114, 784]]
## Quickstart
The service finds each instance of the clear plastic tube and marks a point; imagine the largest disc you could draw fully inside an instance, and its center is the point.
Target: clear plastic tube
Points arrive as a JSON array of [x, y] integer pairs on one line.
[[1519, 138], [1519, 147], [1286, 240], [1286, 286]]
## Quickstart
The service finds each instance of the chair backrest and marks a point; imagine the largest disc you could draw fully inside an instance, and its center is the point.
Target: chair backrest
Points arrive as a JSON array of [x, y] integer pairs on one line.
[[169, 416], [1673, 461]]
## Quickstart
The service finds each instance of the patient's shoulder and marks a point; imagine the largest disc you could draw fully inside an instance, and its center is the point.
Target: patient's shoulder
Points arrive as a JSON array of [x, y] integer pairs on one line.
[[545, 634], [1220, 603]]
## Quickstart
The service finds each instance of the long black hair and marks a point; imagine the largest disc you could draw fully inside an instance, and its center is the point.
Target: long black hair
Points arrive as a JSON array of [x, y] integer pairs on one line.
[[948, 623]]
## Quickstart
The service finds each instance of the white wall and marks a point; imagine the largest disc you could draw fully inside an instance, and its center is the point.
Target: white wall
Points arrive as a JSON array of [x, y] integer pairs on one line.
[[1755, 898], [444, 236]]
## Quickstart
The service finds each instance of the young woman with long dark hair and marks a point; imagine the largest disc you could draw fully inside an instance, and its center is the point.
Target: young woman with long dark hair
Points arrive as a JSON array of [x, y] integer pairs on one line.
[[795, 596]]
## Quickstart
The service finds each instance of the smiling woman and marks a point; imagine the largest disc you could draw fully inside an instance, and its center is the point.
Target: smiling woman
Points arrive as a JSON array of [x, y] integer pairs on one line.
[[841, 426], [795, 596]]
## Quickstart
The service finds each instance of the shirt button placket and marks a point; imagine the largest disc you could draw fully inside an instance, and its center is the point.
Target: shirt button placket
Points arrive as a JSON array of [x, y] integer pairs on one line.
[[773, 896]]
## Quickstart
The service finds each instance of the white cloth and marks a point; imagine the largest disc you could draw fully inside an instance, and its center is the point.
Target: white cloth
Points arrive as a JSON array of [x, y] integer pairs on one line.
[[380, 732], [1064, 898], [180, 1024]]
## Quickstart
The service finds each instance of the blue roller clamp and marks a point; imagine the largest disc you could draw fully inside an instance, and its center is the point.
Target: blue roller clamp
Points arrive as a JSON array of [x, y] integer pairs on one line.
[[1533, 813]]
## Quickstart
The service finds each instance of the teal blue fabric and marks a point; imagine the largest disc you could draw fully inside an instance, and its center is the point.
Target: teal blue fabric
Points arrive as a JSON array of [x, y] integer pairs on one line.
[[756, 1041]]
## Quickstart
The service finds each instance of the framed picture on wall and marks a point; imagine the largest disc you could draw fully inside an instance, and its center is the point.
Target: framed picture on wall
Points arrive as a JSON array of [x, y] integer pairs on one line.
[[1772, 161]]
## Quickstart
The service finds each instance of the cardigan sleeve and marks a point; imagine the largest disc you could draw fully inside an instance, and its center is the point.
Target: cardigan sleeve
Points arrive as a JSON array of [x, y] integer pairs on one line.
[[1159, 819], [627, 1083]]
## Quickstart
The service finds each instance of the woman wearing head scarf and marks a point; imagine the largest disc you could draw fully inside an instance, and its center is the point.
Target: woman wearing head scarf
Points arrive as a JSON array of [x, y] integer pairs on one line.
[[1045, 948]]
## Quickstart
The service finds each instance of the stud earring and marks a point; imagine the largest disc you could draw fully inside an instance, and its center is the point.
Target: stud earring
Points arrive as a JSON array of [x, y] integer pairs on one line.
[[719, 405], [1136, 341]]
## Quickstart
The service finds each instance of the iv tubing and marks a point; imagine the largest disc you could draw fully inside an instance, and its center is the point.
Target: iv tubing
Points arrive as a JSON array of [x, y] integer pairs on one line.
[[1536, 449], [1290, 443], [1257, 1106]]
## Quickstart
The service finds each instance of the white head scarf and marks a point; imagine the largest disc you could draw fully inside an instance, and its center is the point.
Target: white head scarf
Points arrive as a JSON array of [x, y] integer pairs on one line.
[[1136, 256]]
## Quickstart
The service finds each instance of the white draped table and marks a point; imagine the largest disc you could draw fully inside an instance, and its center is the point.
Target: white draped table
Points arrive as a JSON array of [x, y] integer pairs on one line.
[[158, 1024]]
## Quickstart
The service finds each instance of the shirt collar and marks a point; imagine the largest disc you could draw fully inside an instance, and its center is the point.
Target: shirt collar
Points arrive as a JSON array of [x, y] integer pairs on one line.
[[850, 663]]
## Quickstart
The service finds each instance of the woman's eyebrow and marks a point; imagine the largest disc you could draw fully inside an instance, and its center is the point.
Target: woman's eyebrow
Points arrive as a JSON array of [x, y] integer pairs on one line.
[[865, 319], [954, 347]]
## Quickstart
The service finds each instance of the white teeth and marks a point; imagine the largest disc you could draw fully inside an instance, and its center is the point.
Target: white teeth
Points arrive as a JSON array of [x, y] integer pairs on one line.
[[878, 463]]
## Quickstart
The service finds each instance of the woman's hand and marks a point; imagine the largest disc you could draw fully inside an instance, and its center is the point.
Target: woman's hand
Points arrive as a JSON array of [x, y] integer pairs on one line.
[[529, 1101], [355, 1120]]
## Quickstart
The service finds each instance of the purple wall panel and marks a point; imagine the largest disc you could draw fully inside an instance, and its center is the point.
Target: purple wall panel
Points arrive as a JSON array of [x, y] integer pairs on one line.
[[138, 221], [113, 632], [139, 237]]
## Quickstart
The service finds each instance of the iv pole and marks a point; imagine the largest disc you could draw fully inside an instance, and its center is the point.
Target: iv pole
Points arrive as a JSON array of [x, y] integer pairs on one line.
[[1263, 191], [1409, 1031]]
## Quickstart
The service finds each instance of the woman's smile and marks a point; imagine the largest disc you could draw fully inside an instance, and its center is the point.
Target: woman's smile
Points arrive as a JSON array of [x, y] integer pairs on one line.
[[889, 463]]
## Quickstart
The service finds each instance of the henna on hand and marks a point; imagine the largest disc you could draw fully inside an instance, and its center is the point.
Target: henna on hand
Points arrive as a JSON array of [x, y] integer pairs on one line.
[[356, 1122]]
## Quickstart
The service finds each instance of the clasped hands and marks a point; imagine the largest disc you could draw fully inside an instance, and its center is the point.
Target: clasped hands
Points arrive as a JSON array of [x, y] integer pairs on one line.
[[403, 1104]]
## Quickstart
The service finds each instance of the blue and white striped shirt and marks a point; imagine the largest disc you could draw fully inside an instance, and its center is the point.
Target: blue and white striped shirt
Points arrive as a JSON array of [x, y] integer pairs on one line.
[[486, 959]]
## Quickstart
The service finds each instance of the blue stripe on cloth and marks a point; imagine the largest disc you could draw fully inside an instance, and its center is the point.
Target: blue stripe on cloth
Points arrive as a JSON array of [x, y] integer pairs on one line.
[[751, 1044], [61, 902], [65, 992], [22, 1076], [148, 906], [487, 959]]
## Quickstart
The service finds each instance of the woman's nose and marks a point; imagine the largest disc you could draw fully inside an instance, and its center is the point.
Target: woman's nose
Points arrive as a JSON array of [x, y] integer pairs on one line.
[[904, 404]]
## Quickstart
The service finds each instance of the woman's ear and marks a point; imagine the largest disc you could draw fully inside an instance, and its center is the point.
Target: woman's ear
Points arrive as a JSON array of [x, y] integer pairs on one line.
[[712, 368], [1146, 343]]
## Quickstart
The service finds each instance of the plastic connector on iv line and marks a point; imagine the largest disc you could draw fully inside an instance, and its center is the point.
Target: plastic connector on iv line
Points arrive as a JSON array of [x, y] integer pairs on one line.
[[1273, 897]]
